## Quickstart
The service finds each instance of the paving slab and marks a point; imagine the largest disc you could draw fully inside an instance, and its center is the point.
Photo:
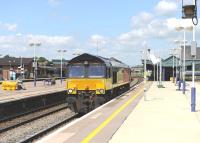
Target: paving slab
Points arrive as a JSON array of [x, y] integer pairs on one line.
[[102, 122], [41, 88], [165, 117]]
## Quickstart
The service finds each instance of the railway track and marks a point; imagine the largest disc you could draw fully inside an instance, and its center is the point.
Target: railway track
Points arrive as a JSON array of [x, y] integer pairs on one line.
[[37, 135], [19, 121], [24, 128], [45, 131], [28, 117]]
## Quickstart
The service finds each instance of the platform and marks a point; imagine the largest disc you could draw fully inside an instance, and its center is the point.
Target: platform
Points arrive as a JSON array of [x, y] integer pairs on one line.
[[165, 117], [107, 117], [40, 89]]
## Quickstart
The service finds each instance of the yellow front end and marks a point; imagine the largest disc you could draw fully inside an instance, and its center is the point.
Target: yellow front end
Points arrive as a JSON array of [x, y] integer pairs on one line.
[[97, 85]]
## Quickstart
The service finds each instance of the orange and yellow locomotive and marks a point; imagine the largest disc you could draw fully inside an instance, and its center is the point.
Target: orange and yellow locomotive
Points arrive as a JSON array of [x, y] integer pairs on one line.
[[93, 80]]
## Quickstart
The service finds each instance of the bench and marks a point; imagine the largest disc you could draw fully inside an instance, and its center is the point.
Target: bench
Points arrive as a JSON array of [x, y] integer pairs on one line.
[[49, 81]]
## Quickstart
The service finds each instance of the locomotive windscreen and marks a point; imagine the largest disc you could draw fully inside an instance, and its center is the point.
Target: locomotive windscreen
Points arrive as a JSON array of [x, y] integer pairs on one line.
[[96, 71], [90, 71], [77, 71]]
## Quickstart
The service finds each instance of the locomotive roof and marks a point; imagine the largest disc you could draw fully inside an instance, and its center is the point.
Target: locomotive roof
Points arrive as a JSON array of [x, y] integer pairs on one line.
[[88, 57]]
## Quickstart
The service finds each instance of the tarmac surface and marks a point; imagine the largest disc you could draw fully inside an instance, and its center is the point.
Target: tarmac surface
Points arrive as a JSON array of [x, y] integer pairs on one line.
[[41, 88]]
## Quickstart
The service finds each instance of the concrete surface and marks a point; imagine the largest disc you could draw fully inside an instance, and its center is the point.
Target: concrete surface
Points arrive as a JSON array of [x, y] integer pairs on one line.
[[79, 130], [165, 118], [41, 88]]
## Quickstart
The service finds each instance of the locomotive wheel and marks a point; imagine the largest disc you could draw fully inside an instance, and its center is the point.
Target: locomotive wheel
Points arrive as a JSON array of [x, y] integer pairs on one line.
[[91, 106]]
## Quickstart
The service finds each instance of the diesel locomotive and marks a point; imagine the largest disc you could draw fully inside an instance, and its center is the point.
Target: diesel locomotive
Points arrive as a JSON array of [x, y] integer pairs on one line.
[[93, 80]]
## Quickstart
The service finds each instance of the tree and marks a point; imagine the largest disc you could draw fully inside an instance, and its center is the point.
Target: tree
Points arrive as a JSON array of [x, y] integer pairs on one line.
[[42, 59], [7, 56]]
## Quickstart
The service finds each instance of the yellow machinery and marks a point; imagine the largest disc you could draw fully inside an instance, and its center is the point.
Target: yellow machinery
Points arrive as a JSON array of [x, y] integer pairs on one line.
[[9, 85]]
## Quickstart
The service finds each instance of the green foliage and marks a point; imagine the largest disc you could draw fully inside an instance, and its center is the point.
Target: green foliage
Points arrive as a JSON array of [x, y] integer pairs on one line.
[[42, 59], [7, 56], [49, 63]]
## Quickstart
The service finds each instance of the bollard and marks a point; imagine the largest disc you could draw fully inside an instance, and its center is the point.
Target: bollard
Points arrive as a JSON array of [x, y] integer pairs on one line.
[[179, 85], [145, 96], [193, 99], [183, 87]]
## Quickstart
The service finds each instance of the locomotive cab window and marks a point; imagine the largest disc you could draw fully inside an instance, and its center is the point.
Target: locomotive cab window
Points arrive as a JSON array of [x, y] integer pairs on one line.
[[76, 71], [108, 72], [114, 77], [96, 71]]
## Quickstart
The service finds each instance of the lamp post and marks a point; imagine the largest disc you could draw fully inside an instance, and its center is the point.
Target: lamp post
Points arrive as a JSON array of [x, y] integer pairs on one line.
[[157, 70], [35, 63], [180, 43], [160, 81], [177, 55], [99, 44], [184, 44], [10, 62], [61, 51], [189, 11], [172, 53], [21, 67], [10, 68], [193, 89], [145, 69]]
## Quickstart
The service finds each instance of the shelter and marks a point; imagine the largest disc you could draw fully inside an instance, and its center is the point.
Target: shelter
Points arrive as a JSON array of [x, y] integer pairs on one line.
[[167, 66]]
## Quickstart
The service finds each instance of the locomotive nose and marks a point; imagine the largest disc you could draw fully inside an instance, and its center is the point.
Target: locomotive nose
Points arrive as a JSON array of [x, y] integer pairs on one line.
[[87, 87]]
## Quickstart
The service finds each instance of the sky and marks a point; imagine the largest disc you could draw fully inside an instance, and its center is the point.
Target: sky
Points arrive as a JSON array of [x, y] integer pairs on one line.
[[109, 28]]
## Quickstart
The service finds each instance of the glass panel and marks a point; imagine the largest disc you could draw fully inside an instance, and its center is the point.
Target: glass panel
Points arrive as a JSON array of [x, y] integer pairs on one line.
[[76, 71], [96, 71], [188, 2]]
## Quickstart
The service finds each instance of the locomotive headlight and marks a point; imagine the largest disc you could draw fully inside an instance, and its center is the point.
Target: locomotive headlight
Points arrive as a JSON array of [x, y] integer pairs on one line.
[[101, 91], [70, 90]]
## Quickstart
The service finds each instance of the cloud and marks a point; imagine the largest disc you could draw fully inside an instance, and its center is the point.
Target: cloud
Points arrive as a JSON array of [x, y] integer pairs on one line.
[[141, 19], [8, 26], [19, 45], [166, 7], [54, 2], [172, 23], [97, 40], [50, 40], [144, 26]]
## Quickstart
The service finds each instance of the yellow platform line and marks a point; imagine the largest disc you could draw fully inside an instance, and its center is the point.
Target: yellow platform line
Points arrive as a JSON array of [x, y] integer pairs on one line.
[[109, 119]]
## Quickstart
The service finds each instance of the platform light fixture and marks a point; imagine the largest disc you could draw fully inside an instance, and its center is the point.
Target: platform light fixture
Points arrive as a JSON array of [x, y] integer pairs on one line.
[[188, 28], [189, 10], [35, 63], [61, 51], [172, 52]]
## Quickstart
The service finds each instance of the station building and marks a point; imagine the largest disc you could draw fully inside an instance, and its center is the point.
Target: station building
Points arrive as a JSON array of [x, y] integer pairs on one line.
[[167, 66], [15, 67], [8, 65], [53, 69], [137, 71]]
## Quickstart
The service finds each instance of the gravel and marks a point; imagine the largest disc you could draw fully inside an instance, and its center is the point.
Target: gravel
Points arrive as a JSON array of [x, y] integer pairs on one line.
[[20, 133], [25, 118]]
